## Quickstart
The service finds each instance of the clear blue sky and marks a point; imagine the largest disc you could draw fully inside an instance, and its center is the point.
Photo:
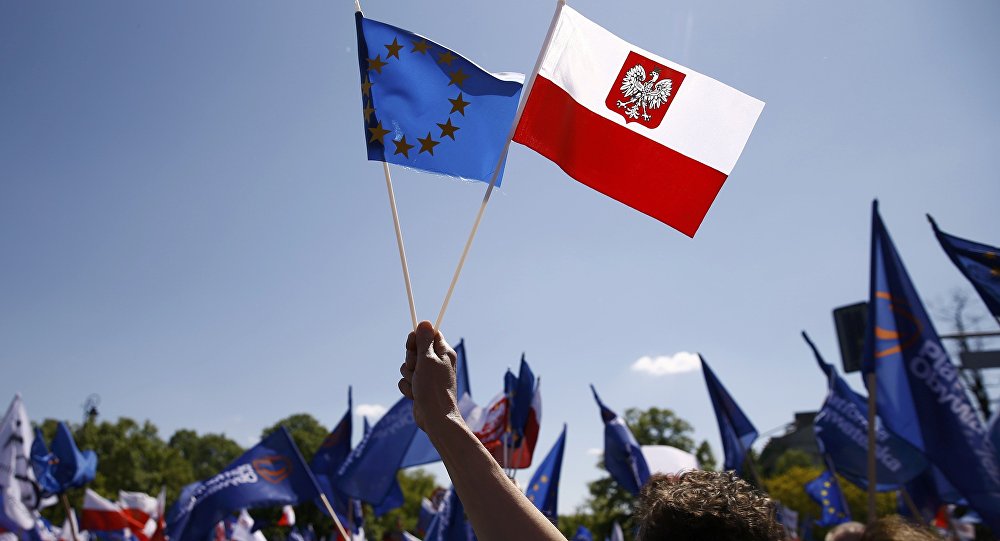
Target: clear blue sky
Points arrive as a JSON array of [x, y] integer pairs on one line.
[[189, 227]]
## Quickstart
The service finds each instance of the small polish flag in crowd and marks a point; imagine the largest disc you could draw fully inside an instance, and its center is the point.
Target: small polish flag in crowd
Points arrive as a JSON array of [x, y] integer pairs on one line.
[[143, 509], [655, 135]]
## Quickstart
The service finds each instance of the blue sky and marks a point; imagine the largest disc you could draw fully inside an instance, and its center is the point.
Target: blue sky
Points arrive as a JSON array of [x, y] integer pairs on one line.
[[189, 226]]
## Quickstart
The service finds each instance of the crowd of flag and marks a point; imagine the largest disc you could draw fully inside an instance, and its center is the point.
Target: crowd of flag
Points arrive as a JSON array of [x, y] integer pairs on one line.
[[932, 444]]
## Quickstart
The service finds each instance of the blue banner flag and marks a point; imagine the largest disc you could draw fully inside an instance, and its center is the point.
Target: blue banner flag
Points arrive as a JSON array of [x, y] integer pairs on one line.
[[583, 534], [826, 492], [520, 400], [929, 491], [370, 470], [326, 462], [74, 468], [450, 524], [429, 108], [421, 451], [980, 263], [841, 428], [43, 463], [737, 432], [622, 455], [543, 490], [920, 394], [271, 473]]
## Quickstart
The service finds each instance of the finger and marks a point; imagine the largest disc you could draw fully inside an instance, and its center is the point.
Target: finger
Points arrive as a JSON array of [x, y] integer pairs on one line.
[[410, 360], [444, 350], [425, 338], [411, 341], [405, 371], [405, 388]]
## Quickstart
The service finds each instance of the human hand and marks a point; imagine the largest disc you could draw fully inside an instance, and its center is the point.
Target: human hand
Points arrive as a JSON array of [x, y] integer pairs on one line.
[[429, 377]]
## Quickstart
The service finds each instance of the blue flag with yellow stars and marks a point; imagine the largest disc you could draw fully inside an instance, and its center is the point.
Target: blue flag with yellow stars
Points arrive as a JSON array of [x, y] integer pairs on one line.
[[543, 490], [428, 108], [980, 263], [826, 491]]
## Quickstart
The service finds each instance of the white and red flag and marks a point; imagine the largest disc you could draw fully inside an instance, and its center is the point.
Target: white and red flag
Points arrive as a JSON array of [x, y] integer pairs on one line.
[[143, 509], [655, 135], [103, 515]]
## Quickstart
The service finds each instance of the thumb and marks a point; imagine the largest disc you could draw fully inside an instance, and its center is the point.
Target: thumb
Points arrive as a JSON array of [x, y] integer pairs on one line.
[[425, 338]]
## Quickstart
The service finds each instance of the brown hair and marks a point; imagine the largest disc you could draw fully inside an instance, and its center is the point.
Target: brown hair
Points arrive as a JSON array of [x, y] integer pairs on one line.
[[704, 505], [895, 528]]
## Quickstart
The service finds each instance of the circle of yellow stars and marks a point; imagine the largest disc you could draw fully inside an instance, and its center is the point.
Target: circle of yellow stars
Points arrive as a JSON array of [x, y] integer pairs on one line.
[[458, 104]]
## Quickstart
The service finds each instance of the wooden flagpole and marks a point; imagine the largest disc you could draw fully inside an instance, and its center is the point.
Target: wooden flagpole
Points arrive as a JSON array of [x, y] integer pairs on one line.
[[399, 243], [333, 515], [870, 381], [395, 223], [503, 156]]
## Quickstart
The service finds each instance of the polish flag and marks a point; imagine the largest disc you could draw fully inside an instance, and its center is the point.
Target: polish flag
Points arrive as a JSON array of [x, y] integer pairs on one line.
[[490, 425], [143, 509], [287, 516], [655, 135], [100, 514]]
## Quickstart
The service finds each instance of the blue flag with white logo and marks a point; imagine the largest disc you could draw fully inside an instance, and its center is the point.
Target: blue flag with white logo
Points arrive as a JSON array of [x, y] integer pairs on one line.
[[543, 490], [450, 524], [929, 491], [622, 454], [270, 474], [429, 108], [841, 428], [74, 468], [980, 263], [370, 470], [737, 432], [920, 394], [826, 492]]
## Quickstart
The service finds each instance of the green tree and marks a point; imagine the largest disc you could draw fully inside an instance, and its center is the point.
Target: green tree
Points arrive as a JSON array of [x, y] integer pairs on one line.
[[307, 432], [207, 454], [608, 503], [417, 485]]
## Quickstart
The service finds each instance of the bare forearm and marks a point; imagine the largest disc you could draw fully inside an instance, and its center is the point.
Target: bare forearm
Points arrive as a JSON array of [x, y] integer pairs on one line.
[[497, 509]]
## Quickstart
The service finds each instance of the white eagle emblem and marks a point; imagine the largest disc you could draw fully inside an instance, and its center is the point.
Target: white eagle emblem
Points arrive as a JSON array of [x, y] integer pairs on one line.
[[649, 94]]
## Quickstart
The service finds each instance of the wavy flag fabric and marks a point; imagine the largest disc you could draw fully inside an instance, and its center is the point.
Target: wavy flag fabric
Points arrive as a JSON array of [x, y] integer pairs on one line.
[[623, 456], [980, 263], [841, 428], [369, 472], [271, 473], [650, 133], [826, 492], [43, 463], [450, 524], [17, 488], [543, 489], [326, 462], [920, 394], [736, 430], [583, 534], [75, 468], [427, 107]]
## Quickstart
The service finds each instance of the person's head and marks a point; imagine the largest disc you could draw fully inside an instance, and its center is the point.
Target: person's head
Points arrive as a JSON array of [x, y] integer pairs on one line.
[[895, 528], [697, 505], [848, 531]]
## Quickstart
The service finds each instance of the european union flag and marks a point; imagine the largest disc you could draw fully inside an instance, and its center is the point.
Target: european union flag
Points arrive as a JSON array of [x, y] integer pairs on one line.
[[841, 428], [980, 263], [622, 455], [920, 394], [543, 490], [429, 108], [826, 491], [271, 473], [737, 432]]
